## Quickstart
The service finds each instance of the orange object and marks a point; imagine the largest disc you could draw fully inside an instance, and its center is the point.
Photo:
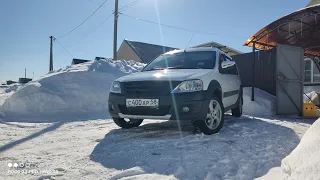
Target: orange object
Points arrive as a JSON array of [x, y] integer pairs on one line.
[[309, 109]]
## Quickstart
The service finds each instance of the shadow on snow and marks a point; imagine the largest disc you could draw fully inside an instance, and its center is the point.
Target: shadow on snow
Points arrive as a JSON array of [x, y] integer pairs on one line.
[[245, 147], [10, 145], [58, 117]]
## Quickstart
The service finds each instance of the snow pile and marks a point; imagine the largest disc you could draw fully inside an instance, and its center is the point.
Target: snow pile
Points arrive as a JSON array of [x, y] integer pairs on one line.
[[7, 90], [77, 91], [10, 88], [304, 160], [263, 104]]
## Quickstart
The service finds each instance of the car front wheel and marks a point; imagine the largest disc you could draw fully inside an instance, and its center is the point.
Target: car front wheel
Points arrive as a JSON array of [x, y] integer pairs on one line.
[[215, 118], [127, 123]]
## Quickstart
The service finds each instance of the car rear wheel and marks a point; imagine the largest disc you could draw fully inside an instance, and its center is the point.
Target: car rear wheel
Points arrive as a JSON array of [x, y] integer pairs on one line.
[[127, 123], [215, 118]]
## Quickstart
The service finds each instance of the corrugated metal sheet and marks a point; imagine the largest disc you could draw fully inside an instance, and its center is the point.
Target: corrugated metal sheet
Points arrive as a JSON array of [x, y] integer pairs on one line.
[[264, 70]]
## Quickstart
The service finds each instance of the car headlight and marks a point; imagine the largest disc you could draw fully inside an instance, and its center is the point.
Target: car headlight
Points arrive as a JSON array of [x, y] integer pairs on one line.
[[115, 87], [189, 86]]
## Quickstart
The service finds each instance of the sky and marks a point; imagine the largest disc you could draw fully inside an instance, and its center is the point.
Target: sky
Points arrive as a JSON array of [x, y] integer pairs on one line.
[[27, 25]]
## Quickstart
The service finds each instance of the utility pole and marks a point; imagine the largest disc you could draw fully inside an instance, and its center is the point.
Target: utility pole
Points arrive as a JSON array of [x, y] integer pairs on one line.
[[25, 72], [51, 56], [115, 32]]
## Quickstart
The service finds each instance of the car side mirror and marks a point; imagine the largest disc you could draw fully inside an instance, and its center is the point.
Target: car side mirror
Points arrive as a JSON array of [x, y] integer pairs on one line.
[[226, 64]]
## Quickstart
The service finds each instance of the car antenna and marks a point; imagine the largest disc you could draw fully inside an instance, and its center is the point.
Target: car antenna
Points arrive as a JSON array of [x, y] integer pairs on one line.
[[190, 41]]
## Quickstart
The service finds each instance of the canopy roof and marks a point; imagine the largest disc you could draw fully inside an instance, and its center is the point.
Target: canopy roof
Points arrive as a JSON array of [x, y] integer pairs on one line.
[[300, 28]]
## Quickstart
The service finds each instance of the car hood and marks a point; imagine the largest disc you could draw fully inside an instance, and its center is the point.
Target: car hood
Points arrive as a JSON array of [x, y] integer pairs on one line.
[[167, 74]]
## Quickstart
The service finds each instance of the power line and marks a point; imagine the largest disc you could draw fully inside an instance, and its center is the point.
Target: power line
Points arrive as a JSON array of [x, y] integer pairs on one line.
[[63, 47], [87, 34], [129, 5], [104, 21], [93, 2], [98, 25], [84, 20], [175, 27]]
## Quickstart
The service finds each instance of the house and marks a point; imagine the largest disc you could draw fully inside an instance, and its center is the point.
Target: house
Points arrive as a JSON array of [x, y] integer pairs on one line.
[[78, 61], [311, 71], [140, 51], [24, 80], [10, 82]]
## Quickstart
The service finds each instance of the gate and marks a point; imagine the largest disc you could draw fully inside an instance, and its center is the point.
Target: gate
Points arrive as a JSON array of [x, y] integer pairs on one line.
[[289, 80]]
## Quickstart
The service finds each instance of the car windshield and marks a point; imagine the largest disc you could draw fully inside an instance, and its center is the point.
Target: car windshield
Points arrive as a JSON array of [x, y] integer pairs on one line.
[[184, 60]]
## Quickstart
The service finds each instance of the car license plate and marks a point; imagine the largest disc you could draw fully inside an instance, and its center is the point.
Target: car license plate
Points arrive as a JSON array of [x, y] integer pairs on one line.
[[142, 102]]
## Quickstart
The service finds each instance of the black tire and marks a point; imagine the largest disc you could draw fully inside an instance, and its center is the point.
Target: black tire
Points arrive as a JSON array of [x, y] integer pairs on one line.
[[131, 123], [237, 112], [204, 125]]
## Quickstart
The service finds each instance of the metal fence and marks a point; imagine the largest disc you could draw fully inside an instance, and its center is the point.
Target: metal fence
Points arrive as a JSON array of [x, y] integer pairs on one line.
[[265, 67]]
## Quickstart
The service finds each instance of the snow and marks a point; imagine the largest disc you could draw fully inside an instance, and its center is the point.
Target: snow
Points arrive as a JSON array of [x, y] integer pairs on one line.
[[264, 103], [75, 91], [304, 161], [7, 90], [246, 148], [273, 174]]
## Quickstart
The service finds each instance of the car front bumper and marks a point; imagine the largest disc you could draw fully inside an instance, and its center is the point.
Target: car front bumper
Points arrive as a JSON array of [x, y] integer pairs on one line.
[[170, 107]]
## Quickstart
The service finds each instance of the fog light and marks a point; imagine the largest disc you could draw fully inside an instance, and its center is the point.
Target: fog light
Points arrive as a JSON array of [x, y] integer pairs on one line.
[[185, 109]]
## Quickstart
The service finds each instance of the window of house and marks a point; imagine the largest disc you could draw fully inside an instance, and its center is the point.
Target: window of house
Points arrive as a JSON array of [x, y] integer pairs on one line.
[[307, 71]]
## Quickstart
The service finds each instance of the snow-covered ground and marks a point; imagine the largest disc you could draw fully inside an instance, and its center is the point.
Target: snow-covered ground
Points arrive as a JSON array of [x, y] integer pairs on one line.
[[246, 148]]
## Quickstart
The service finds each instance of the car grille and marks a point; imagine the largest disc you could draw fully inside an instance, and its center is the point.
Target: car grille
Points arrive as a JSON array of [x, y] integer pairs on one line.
[[148, 88], [160, 111]]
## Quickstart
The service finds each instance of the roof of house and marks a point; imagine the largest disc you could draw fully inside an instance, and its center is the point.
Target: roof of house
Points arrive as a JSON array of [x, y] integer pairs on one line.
[[313, 2], [79, 61], [147, 52], [230, 51]]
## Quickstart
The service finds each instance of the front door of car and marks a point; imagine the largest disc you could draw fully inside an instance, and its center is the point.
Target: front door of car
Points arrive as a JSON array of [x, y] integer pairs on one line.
[[231, 82]]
